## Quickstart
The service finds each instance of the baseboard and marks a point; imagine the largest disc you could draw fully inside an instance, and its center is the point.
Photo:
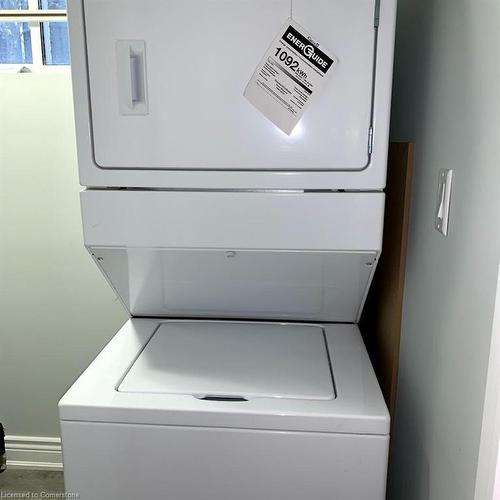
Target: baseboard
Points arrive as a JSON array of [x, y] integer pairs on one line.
[[32, 452]]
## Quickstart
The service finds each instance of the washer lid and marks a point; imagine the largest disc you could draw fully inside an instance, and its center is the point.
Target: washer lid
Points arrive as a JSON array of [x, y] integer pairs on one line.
[[215, 360]]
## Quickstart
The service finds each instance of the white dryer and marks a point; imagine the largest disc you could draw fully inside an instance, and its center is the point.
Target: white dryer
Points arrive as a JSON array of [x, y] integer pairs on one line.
[[244, 255], [159, 86]]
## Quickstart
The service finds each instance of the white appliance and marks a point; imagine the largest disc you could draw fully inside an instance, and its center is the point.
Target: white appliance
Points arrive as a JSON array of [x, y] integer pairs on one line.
[[243, 255]]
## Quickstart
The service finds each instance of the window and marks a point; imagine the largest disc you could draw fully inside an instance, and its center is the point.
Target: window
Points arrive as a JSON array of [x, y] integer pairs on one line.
[[33, 33]]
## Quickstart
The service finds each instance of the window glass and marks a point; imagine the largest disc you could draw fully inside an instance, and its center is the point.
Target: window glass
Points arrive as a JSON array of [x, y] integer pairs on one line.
[[13, 4], [15, 43], [17, 36], [55, 42], [52, 4]]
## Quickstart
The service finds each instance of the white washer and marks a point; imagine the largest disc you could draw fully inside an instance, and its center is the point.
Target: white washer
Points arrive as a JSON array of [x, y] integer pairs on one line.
[[191, 410], [209, 409]]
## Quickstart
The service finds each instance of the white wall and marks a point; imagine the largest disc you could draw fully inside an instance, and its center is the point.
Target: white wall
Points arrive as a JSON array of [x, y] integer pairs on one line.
[[447, 100], [56, 310]]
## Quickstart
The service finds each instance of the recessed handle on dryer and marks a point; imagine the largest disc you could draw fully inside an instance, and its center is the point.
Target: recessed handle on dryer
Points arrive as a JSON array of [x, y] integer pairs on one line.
[[131, 77]]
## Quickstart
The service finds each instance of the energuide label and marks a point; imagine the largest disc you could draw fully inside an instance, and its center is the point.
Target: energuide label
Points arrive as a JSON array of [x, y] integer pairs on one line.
[[291, 73]]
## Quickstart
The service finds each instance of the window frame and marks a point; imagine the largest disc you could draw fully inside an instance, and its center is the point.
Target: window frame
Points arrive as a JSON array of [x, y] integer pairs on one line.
[[34, 16]]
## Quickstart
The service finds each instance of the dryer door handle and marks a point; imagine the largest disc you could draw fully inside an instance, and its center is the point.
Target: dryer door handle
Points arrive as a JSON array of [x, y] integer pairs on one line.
[[131, 77]]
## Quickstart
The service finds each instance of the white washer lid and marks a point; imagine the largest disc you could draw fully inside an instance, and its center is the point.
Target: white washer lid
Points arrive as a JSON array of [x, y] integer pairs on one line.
[[233, 361]]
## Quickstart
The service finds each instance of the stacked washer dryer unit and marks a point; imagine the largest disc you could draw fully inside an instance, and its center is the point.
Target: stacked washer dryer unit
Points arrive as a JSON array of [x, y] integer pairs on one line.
[[244, 255]]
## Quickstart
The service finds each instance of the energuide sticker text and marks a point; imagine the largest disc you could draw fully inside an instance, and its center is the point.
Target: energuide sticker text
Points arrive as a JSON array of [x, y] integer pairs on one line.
[[291, 73]]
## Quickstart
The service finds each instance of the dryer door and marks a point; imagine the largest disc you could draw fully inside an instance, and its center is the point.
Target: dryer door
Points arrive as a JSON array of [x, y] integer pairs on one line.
[[166, 80]]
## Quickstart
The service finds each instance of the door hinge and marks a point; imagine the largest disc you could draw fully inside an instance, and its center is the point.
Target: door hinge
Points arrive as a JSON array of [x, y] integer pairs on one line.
[[376, 20], [370, 140]]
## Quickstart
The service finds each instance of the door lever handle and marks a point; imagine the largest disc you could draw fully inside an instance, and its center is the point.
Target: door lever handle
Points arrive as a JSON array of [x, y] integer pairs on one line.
[[443, 201]]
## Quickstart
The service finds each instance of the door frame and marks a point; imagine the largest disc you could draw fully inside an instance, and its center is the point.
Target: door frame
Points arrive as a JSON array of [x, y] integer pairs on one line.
[[488, 467]]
